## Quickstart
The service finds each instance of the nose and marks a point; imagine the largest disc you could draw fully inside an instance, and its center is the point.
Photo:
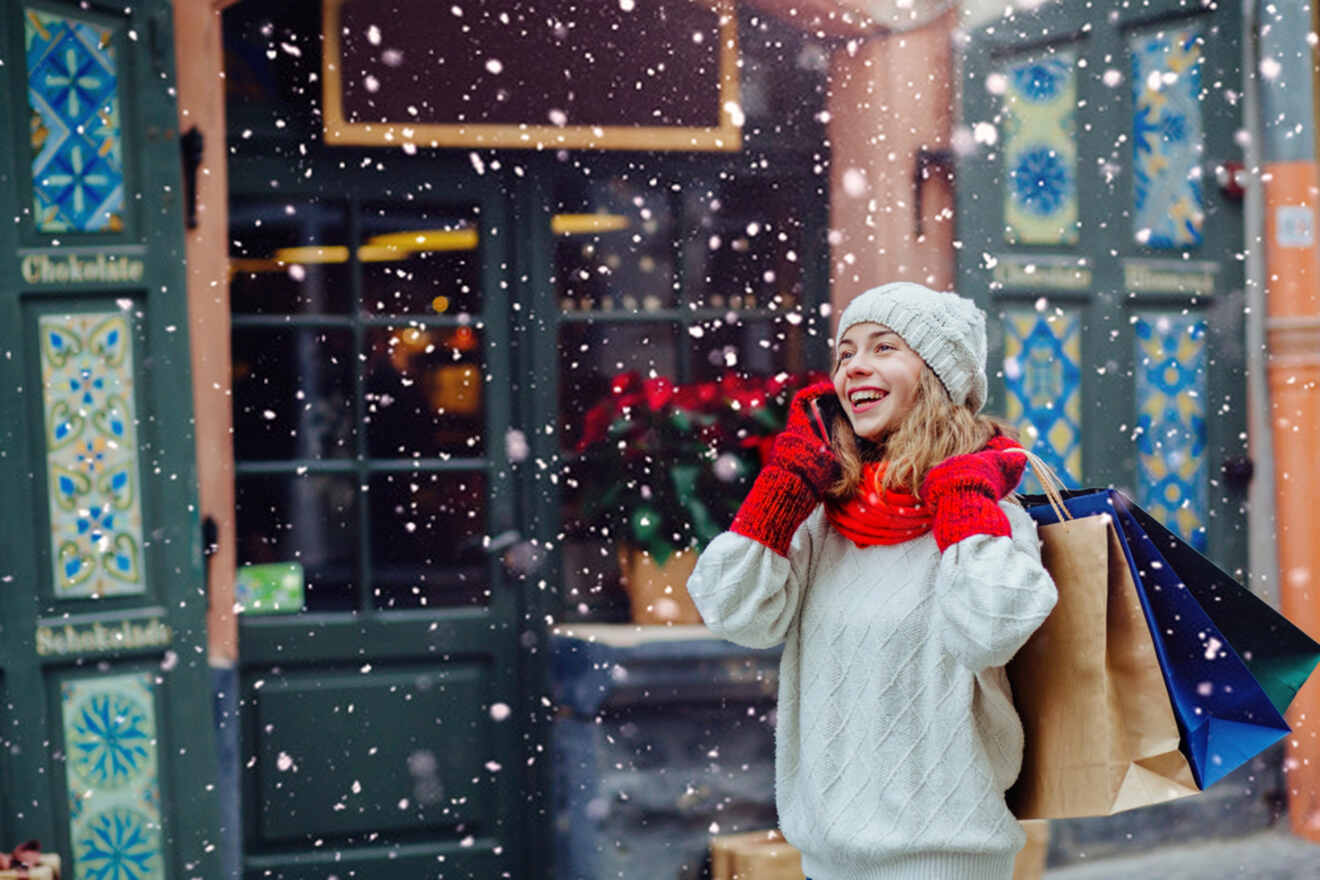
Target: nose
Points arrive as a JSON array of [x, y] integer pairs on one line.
[[858, 366]]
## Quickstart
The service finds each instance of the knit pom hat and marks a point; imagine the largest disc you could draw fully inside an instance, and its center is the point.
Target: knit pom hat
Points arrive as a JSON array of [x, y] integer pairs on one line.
[[946, 330]]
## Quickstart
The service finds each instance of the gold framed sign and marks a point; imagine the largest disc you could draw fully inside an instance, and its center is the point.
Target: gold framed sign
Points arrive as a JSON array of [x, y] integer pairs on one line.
[[626, 75]]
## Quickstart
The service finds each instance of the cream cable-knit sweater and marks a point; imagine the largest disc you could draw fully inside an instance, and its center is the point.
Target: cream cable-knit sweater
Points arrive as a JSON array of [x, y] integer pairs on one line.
[[896, 735]]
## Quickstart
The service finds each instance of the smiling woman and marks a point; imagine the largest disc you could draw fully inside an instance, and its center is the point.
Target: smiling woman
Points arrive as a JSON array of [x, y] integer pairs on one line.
[[912, 567]]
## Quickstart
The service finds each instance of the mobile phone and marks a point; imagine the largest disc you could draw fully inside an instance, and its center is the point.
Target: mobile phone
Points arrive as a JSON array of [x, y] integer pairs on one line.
[[824, 409]]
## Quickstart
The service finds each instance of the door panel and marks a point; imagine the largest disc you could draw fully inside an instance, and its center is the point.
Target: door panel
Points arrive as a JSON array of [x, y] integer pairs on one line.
[[107, 729], [378, 729], [1092, 228]]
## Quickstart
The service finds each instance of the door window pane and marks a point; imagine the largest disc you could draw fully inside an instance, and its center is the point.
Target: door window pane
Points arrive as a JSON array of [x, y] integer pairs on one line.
[[1172, 472], [614, 244], [428, 539], [1168, 209], [750, 346], [1040, 150], [77, 142], [747, 248], [308, 518], [293, 393], [424, 392], [419, 261], [1043, 387], [288, 258]]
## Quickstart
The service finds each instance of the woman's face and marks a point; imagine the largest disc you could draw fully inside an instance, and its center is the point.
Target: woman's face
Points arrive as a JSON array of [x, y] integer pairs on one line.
[[876, 377]]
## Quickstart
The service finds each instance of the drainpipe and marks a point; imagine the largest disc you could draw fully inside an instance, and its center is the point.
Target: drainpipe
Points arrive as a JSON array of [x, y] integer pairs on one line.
[[1292, 330], [1262, 561]]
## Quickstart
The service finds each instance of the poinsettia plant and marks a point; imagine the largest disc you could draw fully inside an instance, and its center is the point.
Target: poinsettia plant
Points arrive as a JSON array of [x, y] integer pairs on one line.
[[664, 467]]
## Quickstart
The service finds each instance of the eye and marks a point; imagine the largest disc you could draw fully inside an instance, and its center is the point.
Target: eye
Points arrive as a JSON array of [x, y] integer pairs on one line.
[[844, 355], [885, 346]]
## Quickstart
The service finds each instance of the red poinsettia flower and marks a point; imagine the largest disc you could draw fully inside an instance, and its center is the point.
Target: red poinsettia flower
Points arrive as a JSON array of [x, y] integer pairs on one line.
[[659, 392]]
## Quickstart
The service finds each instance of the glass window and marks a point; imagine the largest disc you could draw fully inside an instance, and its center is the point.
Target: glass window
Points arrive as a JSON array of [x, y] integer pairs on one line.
[[293, 393], [288, 258], [592, 354], [614, 244], [747, 246], [424, 392], [419, 261], [428, 539], [308, 518], [705, 300], [346, 417]]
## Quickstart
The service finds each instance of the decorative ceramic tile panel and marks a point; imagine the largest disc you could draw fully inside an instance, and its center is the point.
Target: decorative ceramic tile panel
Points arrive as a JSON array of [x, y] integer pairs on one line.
[[1040, 151], [1043, 388], [1170, 391], [1166, 138], [91, 454], [113, 776], [77, 143]]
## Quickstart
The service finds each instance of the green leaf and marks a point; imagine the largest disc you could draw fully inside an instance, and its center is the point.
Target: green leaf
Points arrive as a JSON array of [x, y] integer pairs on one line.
[[660, 550], [684, 477], [768, 420], [703, 524], [645, 522]]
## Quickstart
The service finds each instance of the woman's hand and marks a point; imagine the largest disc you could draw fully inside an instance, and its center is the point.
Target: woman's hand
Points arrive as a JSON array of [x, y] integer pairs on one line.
[[963, 493], [800, 468], [803, 447]]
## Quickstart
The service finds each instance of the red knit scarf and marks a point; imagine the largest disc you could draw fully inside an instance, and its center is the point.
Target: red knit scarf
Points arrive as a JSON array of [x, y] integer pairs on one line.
[[875, 515]]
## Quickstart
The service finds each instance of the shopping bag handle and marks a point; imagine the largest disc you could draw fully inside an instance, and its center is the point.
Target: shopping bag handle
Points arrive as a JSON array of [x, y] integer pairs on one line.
[[1049, 481]]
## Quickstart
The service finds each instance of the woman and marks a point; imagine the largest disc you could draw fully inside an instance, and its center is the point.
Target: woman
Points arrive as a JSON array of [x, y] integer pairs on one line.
[[900, 579]]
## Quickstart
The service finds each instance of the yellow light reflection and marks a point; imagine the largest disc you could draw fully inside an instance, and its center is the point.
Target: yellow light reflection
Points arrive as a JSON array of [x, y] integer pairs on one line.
[[425, 240], [309, 254], [579, 224]]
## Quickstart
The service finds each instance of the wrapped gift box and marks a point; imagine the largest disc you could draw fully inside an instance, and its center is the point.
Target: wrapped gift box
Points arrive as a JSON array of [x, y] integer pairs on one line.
[[47, 867], [754, 855]]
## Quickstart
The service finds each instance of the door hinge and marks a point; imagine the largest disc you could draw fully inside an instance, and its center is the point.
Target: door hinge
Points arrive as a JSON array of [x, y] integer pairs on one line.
[[192, 144], [921, 172]]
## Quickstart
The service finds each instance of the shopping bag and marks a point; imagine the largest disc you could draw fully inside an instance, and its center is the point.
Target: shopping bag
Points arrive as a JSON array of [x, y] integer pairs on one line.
[[1225, 716], [1279, 655], [1100, 733]]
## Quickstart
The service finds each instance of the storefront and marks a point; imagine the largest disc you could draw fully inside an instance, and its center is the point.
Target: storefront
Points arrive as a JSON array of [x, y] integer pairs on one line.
[[418, 334]]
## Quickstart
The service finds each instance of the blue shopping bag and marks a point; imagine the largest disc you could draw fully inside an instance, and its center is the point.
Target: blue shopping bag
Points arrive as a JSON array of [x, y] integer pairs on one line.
[[1225, 715], [1280, 656]]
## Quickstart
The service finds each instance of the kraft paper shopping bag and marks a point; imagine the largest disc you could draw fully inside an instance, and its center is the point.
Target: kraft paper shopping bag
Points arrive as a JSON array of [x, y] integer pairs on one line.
[[1101, 736]]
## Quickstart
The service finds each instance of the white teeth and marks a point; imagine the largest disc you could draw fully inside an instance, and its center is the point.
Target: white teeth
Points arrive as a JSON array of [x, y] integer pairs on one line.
[[865, 396]]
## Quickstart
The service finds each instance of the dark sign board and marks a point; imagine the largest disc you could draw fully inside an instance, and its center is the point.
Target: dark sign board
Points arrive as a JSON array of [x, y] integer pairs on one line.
[[604, 74]]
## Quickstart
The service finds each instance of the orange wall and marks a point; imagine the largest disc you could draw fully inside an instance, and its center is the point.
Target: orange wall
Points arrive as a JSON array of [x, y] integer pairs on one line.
[[1293, 330], [890, 95], [199, 63]]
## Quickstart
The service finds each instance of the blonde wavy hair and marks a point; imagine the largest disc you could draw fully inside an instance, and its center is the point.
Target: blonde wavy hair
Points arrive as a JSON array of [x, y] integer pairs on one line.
[[933, 430]]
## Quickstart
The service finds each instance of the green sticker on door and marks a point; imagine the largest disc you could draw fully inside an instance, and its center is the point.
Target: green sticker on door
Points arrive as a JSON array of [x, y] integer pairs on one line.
[[271, 588]]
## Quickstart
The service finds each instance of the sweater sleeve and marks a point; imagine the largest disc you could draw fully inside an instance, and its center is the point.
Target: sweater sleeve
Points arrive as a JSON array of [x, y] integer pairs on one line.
[[748, 593], [993, 592]]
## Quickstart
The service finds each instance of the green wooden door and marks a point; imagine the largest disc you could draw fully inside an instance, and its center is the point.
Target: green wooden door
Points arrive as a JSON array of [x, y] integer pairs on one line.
[[106, 718], [383, 711], [1093, 228]]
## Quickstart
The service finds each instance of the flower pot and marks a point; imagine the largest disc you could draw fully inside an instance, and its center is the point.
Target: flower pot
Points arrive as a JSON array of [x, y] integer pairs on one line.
[[658, 593]]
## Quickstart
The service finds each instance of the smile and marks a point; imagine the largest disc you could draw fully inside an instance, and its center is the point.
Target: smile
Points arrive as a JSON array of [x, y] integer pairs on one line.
[[864, 399]]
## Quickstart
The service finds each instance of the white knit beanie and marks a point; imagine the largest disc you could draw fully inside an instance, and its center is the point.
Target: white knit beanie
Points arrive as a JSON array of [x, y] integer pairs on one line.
[[947, 330]]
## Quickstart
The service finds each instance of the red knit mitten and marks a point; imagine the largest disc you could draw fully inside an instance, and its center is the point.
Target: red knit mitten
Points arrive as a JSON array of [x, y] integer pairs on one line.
[[800, 468], [964, 493]]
